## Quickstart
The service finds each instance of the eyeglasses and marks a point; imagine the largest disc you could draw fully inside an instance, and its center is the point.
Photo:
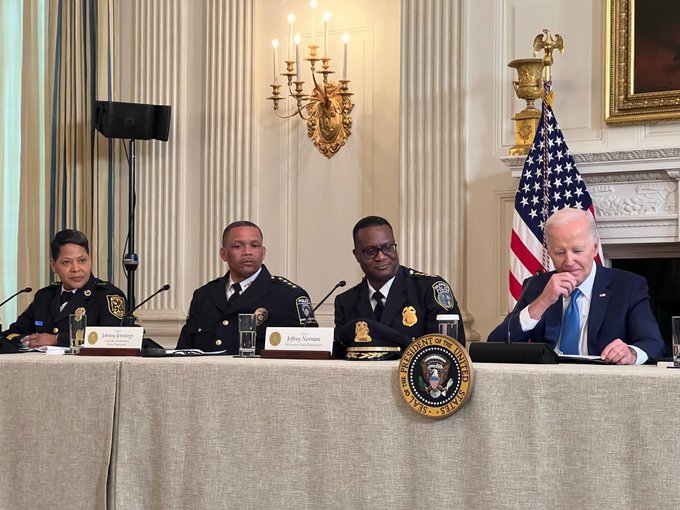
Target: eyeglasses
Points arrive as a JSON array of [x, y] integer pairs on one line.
[[387, 249]]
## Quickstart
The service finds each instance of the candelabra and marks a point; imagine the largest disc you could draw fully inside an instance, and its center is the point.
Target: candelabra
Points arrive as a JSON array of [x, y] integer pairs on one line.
[[327, 109]]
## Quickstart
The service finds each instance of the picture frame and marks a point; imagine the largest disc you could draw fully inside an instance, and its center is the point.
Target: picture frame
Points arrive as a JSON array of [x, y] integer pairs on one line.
[[642, 61]]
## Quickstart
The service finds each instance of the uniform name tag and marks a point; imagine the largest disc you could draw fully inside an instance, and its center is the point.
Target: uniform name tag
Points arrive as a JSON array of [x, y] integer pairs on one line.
[[113, 337], [299, 339]]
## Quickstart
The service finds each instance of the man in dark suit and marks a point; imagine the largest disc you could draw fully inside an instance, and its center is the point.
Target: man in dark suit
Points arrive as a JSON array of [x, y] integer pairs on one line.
[[248, 287], [583, 308], [402, 298], [45, 321]]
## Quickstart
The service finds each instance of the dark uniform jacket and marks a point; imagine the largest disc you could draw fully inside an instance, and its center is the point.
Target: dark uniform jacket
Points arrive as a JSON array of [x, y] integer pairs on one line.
[[212, 324], [103, 302], [414, 301], [619, 308]]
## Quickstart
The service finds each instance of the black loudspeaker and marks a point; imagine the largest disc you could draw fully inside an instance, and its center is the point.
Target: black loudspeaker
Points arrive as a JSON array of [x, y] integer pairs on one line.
[[517, 352], [132, 120]]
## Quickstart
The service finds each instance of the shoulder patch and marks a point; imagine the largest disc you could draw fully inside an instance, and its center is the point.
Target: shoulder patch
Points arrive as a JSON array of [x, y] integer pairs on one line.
[[443, 294], [281, 279], [304, 310], [116, 305]]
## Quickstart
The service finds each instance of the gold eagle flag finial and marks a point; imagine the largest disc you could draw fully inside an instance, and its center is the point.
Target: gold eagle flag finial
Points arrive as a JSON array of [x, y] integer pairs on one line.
[[545, 41]]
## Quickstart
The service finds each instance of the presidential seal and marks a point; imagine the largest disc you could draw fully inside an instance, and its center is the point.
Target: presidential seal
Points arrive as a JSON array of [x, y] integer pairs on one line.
[[435, 376]]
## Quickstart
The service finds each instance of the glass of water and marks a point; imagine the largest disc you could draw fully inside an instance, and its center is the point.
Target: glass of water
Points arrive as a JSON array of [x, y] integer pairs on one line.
[[676, 340], [247, 330], [77, 322]]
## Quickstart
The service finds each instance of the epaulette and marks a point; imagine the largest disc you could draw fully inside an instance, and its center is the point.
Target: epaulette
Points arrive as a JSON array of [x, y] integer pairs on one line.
[[214, 281], [55, 284], [418, 274], [281, 279]]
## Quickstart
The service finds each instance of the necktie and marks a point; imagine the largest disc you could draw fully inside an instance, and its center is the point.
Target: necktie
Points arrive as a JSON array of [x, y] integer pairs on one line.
[[237, 291], [571, 330], [378, 310], [65, 296]]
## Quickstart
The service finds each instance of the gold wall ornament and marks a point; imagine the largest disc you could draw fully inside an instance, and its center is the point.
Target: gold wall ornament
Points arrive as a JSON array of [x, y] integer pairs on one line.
[[327, 110], [546, 43], [528, 86]]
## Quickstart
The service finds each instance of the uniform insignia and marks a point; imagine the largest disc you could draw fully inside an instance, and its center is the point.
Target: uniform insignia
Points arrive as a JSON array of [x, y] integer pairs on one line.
[[88, 292], [434, 380], [283, 280], [261, 315], [408, 316], [80, 311], [39, 323], [304, 309], [116, 305], [443, 294], [361, 332]]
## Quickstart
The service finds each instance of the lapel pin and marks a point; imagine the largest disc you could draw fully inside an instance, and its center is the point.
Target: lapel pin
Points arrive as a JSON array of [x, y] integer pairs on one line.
[[604, 294]]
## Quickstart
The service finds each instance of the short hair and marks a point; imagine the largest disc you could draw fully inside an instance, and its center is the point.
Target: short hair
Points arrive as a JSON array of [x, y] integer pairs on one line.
[[236, 224], [568, 215], [68, 236], [369, 221]]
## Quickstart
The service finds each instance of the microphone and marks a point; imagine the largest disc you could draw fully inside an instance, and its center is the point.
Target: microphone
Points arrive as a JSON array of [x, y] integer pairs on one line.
[[521, 295], [513, 352], [341, 283], [129, 319], [27, 289]]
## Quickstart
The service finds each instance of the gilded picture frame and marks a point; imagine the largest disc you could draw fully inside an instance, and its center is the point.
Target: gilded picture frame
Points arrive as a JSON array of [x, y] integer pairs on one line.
[[642, 61]]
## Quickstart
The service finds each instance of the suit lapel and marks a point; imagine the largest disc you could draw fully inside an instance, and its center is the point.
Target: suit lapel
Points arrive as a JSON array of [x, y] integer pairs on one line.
[[79, 299], [363, 303], [218, 294], [396, 299], [553, 323], [254, 292], [599, 301]]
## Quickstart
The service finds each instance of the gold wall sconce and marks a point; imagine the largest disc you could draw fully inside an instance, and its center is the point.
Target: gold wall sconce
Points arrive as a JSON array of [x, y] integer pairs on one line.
[[327, 108]]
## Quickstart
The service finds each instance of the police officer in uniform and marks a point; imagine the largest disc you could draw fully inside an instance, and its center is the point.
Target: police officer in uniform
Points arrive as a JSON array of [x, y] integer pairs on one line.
[[45, 321], [248, 287], [396, 296]]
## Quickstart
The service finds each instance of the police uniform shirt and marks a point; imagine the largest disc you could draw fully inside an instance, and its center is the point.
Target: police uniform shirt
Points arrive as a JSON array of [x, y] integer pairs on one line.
[[103, 303], [243, 284], [415, 299], [384, 291], [212, 322]]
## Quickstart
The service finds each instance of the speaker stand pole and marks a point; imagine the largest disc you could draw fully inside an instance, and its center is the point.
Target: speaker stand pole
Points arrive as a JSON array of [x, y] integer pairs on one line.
[[130, 260]]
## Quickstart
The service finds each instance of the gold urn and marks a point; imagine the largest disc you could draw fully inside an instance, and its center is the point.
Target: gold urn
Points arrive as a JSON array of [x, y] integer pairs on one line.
[[528, 86]]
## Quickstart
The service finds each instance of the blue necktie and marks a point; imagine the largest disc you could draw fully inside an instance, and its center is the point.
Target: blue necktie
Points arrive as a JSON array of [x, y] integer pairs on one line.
[[571, 326]]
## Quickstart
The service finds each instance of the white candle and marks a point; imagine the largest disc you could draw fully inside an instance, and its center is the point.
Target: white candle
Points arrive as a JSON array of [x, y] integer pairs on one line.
[[297, 55], [313, 6], [345, 39], [275, 44], [291, 18], [326, 17]]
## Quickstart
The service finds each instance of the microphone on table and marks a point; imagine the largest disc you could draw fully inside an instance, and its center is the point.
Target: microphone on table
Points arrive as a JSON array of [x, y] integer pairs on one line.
[[341, 283], [129, 319], [513, 352], [27, 289]]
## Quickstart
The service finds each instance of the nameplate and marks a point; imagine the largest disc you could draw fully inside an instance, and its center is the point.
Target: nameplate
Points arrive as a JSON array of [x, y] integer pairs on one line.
[[113, 337], [299, 339]]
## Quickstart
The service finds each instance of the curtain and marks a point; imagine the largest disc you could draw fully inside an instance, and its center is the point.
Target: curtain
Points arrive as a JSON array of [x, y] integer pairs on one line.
[[84, 175], [56, 58]]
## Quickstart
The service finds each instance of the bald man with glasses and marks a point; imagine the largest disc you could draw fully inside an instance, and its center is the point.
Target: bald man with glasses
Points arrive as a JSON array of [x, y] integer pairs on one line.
[[396, 296]]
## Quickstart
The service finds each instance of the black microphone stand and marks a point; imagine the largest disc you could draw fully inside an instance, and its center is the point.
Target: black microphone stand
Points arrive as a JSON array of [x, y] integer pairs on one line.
[[130, 259]]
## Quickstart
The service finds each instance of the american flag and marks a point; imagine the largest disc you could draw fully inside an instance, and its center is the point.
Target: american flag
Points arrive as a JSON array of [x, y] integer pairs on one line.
[[550, 181]]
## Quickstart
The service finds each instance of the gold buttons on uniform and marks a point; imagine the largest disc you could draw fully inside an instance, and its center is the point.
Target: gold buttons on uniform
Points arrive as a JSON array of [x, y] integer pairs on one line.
[[88, 292], [55, 330], [225, 323], [218, 342], [200, 329]]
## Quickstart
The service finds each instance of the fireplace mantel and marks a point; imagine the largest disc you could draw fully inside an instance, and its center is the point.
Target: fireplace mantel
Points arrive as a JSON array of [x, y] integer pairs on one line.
[[635, 194]]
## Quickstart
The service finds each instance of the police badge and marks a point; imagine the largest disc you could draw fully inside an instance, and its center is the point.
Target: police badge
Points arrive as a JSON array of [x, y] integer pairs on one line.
[[435, 376], [408, 316], [443, 294], [261, 315]]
